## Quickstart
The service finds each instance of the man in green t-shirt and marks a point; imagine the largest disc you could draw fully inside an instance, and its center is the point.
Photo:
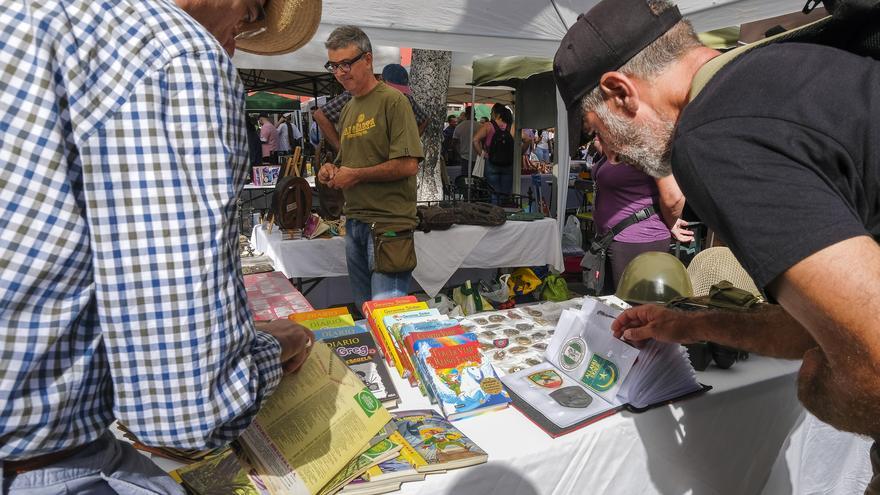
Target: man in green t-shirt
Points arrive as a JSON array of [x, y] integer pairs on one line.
[[377, 164]]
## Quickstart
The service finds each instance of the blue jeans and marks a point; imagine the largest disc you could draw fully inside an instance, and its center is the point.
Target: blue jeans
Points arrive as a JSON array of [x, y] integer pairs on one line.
[[500, 178], [105, 466], [367, 284], [543, 154]]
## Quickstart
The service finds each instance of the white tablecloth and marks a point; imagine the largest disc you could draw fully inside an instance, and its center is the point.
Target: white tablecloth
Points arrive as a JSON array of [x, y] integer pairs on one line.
[[722, 442], [440, 253]]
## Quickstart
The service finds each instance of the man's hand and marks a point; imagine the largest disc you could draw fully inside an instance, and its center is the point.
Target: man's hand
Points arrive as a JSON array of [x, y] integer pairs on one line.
[[327, 172], [681, 232], [296, 341], [653, 322], [345, 178]]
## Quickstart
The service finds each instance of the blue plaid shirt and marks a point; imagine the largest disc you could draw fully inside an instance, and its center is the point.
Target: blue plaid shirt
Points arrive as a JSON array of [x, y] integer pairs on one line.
[[122, 154]]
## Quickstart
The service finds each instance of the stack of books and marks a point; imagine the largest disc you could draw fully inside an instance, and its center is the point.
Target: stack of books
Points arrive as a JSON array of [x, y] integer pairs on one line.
[[437, 355], [355, 346]]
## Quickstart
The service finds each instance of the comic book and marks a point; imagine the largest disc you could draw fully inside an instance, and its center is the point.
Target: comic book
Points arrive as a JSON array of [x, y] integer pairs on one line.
[[440, 444], [461, 379], [402, 468], [360, 353]]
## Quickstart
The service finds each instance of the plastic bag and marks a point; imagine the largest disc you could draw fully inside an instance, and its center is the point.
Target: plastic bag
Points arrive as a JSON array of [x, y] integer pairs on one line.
[[572, 238], [479, 167], [496, 291], [469, 299], [555, 288]]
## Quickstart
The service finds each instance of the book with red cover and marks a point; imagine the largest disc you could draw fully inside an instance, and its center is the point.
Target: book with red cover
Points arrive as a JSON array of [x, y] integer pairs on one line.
[[415, 379], [370, 306]]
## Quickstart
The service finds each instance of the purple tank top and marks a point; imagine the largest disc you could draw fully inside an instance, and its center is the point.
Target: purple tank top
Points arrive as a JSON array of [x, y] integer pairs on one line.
[[622, 191]]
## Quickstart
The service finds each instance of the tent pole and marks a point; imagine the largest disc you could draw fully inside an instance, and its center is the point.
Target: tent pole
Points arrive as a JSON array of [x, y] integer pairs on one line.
[[471, 133], [563, 157]]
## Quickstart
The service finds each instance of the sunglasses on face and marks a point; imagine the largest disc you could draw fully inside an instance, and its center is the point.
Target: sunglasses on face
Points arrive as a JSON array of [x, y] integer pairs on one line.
[[254, 22], [344, 65]]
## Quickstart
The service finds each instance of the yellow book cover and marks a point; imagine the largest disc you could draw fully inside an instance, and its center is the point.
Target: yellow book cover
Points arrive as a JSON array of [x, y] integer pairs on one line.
[[407, 463], [379, 317], [329, 322], [319, 313], [315, 423]]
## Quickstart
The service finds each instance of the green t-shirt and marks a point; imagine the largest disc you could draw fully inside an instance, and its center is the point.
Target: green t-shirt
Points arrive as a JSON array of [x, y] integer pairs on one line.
[[375, 128]]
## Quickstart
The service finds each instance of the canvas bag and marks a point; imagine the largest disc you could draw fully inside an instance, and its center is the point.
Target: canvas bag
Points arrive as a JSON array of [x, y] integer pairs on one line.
[[394, 249]]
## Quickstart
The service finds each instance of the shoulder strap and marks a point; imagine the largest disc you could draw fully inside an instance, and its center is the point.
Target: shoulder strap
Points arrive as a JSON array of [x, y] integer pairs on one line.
[[710, 68], [605, 241]]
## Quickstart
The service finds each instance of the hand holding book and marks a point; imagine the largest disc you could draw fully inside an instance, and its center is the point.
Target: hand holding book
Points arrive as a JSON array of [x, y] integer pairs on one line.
[[295, 340]]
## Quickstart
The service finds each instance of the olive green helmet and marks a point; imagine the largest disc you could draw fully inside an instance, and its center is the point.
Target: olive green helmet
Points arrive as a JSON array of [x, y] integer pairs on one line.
[[654, 278]]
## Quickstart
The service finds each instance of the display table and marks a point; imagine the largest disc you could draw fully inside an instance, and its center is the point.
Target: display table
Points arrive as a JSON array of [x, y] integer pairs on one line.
[[440, 253], [724, 441]]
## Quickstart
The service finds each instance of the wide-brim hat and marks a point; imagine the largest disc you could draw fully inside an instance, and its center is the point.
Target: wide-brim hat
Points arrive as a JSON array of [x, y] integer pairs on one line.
[[290, 24]]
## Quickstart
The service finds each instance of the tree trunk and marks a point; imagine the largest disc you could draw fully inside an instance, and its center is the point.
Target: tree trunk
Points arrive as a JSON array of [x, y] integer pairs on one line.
[[429, 80]]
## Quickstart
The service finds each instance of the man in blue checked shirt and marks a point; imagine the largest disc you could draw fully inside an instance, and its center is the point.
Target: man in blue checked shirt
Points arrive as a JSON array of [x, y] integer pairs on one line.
[[120, 284]]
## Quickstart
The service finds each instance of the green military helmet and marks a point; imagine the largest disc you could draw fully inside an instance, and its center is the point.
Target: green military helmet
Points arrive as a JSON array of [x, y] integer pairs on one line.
[[654, 277]]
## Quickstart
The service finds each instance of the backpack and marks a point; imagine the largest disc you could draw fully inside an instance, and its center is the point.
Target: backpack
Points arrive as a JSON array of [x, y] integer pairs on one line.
[[852, 26], [501, 147]]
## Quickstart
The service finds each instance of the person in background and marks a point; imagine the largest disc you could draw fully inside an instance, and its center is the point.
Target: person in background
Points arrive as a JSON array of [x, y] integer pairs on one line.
[[379, 152], [255, 148], [109, 311], [268, 136], [498, 176], [394, 76], [484, 120], [788, 180], [621, 192], [289, 135], [450, 152], [542, 146], [462, 138]]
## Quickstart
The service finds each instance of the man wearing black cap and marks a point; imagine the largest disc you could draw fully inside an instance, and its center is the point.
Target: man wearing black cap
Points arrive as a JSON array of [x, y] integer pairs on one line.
[[789, 179]]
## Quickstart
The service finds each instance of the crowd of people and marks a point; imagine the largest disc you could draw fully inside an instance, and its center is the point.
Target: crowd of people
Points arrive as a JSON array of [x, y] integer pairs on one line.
[[111, 314]]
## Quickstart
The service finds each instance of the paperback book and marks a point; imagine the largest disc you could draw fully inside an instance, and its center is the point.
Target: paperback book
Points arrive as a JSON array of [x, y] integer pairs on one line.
[[589, 374], [461, 379], [360, 353], [437, 441]]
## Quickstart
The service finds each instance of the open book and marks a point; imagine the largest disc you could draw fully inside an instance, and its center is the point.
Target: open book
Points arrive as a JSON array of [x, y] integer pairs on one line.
[[317, 421], [589, 374]]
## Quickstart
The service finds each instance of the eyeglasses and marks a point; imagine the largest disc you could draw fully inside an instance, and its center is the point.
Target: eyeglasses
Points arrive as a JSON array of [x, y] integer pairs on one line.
[[256, 22], [344, 65]]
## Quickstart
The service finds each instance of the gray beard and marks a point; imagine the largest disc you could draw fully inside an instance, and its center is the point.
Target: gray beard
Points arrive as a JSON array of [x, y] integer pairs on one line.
[[646, 145]]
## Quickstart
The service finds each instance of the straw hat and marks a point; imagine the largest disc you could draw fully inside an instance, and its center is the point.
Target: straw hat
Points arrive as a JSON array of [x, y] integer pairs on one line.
[[290, 24]]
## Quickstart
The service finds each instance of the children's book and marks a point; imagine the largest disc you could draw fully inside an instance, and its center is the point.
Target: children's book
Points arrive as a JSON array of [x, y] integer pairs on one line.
[[370, 306], [462, 380], [590, 375], [379, 315], [440, 444], [360, 353], [425, 330], [393, 324], [402, 468], [319, 313], [333, 332], [328, 322]]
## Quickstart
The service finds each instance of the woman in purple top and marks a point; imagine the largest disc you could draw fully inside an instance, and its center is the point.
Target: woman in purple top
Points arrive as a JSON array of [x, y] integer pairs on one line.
[[621, 190]]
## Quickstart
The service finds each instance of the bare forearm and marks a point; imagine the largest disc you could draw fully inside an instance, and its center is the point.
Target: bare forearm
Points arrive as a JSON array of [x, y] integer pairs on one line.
[[768, 331]]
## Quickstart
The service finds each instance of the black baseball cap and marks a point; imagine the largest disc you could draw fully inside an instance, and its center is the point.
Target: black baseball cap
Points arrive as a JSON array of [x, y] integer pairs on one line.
[[602, 40]]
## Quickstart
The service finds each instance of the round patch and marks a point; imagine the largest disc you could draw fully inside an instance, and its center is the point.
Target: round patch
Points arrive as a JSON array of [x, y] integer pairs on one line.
[[572, 353]]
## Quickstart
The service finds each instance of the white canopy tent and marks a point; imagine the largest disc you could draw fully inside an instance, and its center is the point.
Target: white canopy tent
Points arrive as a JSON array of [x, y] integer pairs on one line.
[[496, 27]]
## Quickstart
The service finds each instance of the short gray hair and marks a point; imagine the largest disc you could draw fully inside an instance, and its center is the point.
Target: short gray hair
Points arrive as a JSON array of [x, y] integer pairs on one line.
[[344, 36], [654, 58]]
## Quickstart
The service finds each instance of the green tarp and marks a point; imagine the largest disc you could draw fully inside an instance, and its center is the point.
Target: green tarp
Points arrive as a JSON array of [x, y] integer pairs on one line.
[[270, 102]]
